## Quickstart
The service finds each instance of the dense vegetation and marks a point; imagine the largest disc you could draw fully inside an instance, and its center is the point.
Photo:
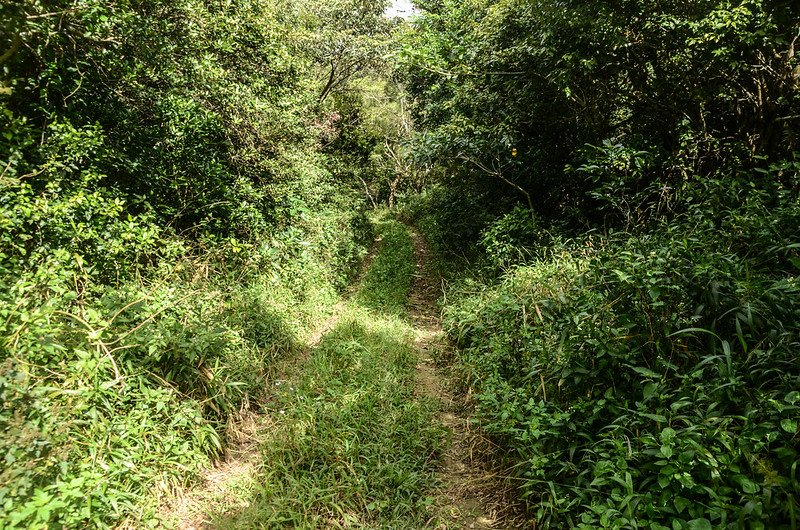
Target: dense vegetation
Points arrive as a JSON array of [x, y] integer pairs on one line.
[[623, 178], [177, 208], [614, 188]]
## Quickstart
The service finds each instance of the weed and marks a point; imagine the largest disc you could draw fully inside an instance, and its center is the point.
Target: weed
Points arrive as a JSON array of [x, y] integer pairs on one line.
[[386, 284], [646, 380]]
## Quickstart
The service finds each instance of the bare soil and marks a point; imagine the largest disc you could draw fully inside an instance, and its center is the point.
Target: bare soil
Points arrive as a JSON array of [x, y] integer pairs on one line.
[[473, 493]]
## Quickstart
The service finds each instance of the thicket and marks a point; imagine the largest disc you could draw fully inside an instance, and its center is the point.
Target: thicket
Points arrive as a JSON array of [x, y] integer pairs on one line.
[[624, 179], [177, 209]]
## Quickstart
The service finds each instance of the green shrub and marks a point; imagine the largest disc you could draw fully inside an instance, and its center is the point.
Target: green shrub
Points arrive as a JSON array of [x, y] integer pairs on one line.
[[169, 226], [513, 238], [110, 391], [452, 218], [648, 380]]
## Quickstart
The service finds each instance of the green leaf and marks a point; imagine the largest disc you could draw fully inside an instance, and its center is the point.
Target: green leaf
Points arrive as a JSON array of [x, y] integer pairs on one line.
[[647, 372], [789, 425], [748, 486], [623, 276], [681, 504], [667, 434], [655, 417], [699, 524]]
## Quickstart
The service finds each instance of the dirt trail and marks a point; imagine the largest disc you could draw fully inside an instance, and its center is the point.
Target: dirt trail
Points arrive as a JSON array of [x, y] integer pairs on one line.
[[472, 495], [223, 482], [186, 509]]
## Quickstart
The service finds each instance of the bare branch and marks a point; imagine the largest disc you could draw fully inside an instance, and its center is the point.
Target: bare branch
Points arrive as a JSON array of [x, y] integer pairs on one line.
[[497, 172]]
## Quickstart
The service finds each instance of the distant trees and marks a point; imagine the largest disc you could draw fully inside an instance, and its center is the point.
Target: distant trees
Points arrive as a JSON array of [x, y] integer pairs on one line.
[[347, 38]]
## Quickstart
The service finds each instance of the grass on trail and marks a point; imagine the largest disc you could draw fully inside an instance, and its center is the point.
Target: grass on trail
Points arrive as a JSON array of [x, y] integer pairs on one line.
[[353, 447], [387, 282]]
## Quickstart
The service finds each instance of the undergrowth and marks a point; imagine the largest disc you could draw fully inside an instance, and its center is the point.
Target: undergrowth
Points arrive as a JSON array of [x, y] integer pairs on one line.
[[175, 215], [387, 282], [112, 393], [645, 380]]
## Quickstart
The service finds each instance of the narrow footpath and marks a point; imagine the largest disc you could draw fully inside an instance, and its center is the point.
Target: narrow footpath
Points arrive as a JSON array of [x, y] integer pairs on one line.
[[471, 494], [362, 429]]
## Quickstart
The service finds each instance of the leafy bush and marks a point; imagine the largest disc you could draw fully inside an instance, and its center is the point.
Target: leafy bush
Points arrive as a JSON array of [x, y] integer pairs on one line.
[[643, 373], [648, 380], [452, 218], [508, 93], [512, 238], [109, 390]]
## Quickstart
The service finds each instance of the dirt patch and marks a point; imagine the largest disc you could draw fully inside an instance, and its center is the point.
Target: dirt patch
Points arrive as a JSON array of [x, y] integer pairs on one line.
[[221, 484], [473, 494], [316, 337]]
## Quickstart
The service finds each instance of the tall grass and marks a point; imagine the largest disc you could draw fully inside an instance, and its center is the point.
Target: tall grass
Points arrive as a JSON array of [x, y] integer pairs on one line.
[[646, 380], [112, 394], [387, 282]]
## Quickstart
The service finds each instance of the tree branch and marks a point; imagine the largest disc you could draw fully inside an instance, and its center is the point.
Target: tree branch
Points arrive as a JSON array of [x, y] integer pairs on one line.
[[498, 173], [15, 45]]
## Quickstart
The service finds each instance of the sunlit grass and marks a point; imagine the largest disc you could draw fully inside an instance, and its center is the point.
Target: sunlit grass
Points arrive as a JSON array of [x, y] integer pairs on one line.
[[354, 448]]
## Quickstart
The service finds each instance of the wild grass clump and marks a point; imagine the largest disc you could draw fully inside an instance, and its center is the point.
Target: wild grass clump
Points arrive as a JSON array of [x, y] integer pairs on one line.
[[354, 444], [648, 380], [387, 283]]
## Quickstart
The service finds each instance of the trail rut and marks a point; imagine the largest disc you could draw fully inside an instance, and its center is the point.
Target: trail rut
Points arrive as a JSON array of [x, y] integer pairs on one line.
[[471, 496]]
